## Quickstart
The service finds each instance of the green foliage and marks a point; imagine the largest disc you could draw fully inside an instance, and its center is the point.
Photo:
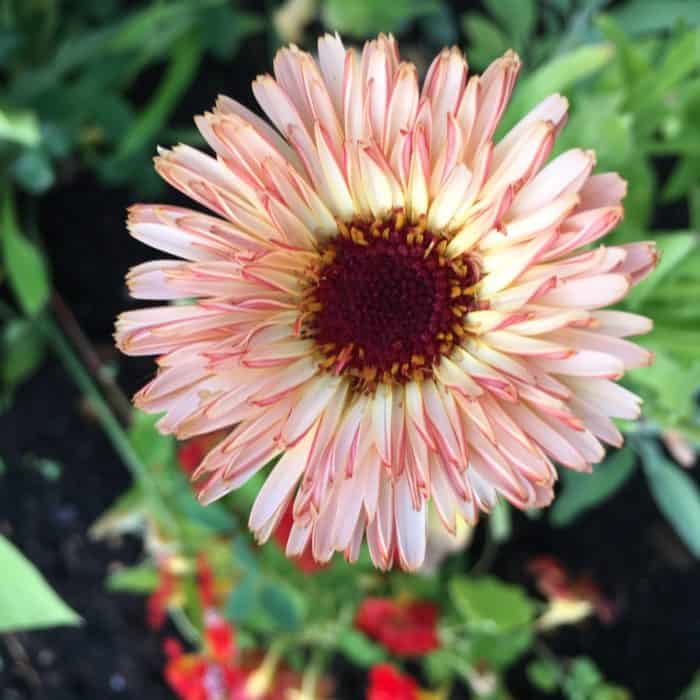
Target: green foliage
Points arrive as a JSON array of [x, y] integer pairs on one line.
[[579, 492], [544, 675], [692, 692], [26, 600], [490, 605], [141, 579], [70, 102], [362, 18], [22, 350], [675, 493], [22, 260]]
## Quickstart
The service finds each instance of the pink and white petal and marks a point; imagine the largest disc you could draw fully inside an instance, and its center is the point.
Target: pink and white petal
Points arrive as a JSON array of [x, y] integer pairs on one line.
[[283, 380], [585, 363], [449, 198], [544, 320], [331, 58], [503, 268], [631, 355], [519, 165], [620, 323], [497, 83], [279, 484], [531, 224], [640, 261], [606, 397], [485, 375], [587, 292], [189, 234], [601, 426], [410, 527], [603, 190], [403, 105], [549, 439], [565, 175], [456, 378], [226, 105], [513, 343], [552, 109]]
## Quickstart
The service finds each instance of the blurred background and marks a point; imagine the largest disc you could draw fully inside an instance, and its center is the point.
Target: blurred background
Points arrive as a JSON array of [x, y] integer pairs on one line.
[[115, 583]]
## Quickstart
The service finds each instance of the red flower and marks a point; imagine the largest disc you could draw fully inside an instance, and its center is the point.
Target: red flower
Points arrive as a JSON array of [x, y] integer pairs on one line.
[[184, 673], [306, 561], [406, 629], [387, 683], [192, 452], [555, 582], [157, 602], [205, 582]]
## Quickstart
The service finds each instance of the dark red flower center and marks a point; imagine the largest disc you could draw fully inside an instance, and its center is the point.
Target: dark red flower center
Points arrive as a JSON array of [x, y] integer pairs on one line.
[[387, 303]]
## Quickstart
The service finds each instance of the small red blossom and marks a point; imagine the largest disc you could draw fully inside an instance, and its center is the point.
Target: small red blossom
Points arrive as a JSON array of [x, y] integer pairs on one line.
[[306, 561], [388, 683], [157, 602], [555, 582], [406, 629], [219, 637], [191, 453], [205, 582]]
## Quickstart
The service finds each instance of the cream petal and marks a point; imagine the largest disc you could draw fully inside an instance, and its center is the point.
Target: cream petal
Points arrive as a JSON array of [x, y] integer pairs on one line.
[[410, 527], [331, 58], [279, 484]]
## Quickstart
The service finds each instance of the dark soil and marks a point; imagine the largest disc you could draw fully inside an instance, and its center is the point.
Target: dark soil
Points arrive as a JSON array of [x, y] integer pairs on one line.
[[652, 647]]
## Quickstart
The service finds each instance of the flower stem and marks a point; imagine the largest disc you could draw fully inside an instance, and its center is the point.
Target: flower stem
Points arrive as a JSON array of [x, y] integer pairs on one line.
[[111, 426]]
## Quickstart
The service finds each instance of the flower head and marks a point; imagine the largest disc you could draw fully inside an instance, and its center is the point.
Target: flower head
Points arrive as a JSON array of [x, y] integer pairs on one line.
[[404, 628], [401, 307]]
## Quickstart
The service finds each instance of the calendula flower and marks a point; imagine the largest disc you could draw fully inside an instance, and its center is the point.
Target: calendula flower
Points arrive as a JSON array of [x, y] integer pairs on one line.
[[402, 308]]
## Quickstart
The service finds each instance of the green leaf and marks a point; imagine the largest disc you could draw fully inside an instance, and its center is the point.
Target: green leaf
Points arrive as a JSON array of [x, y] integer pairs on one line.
[[214, 517], [646, 16], [517, 18], [243, 602], [500, 521], [675, 493], [141, 579], [152, 447], [692, 692], [582, 679], [283, 605], [544, 675], [21, 127], [501, 650], [583, 491], [490, 604], [26, 599], [608, 691], [23, 349], [26, 270], [485, 40], [557, 76], [179, 75], [674, 250], [362, 18], [359, 650], [33, 171]]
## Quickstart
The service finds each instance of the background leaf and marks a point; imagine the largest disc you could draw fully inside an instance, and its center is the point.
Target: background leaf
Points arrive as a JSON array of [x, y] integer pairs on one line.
[[26, 599], [490, 604], [580, 492], [675, 493]]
